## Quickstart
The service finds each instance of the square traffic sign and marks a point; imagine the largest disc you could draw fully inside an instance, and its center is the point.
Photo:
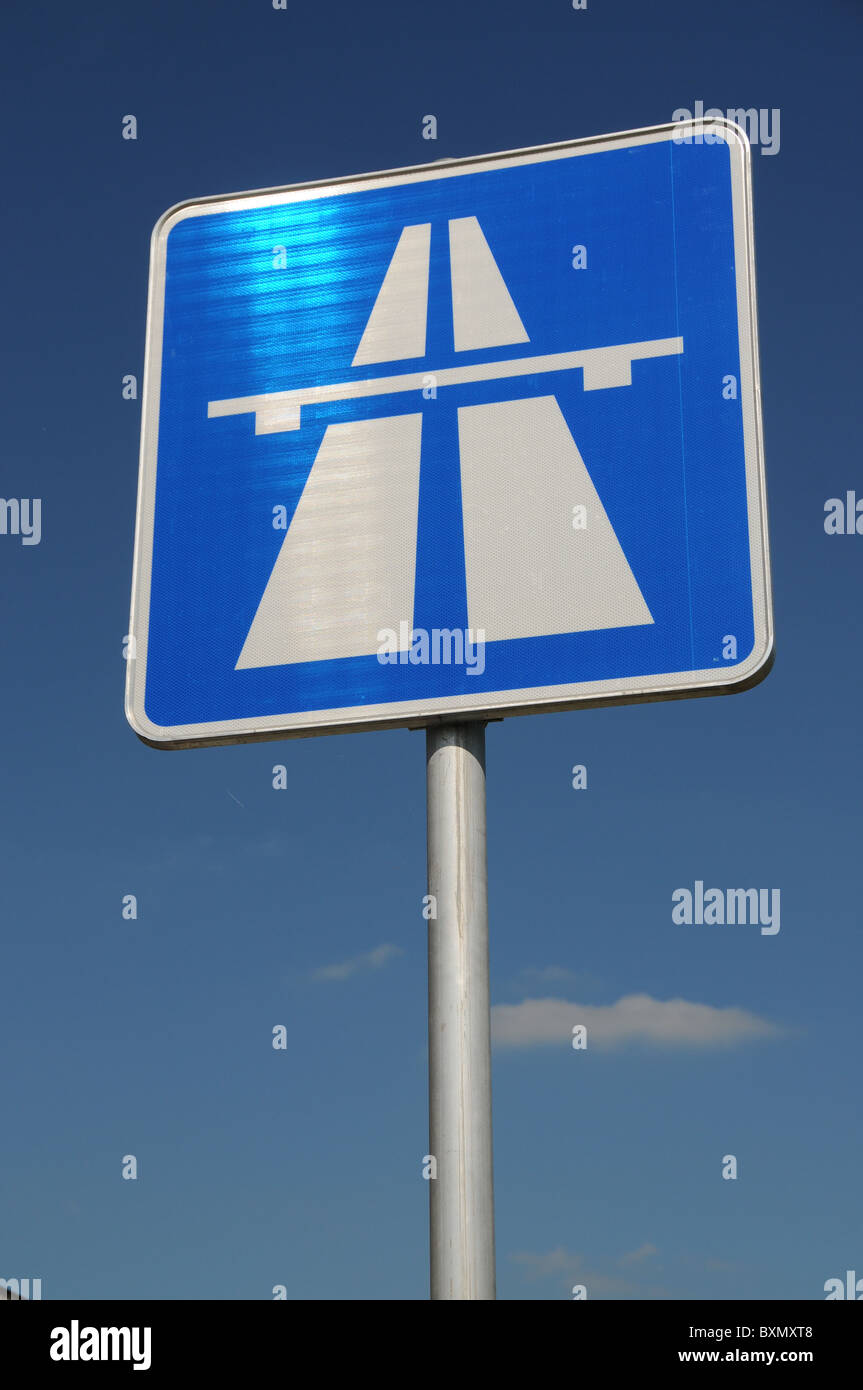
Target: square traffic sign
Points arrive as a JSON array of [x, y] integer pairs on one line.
[[476, 438]]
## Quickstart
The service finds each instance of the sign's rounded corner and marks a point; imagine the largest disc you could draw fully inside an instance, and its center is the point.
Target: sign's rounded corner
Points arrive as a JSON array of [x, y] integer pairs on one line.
[[757, 665], [732, 134], [718, 127], [169, 219], [153, 735]]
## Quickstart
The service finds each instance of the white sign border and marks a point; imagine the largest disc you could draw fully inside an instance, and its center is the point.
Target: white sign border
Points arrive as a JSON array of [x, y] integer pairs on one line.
[[486, 704]]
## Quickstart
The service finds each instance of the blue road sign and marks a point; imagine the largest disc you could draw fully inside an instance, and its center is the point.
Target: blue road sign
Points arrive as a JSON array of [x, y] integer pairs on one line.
[[480, 437]]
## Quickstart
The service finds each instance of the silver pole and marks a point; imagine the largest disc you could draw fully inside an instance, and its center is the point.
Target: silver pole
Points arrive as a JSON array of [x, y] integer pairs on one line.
[[461, 1195]]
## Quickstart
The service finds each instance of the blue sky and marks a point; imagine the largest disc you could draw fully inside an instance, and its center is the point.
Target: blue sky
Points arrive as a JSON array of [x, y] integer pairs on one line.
[[153, 1037]]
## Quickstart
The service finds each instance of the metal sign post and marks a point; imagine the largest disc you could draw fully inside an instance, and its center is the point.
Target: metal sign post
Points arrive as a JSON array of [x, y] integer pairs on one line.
[[461, 1191]]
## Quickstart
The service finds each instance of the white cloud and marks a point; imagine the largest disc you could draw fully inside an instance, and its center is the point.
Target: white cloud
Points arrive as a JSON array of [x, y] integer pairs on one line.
[[564, 1268], [567, 1269], [633, 1257], [559, 1261], [370, 960], [636, 1018]]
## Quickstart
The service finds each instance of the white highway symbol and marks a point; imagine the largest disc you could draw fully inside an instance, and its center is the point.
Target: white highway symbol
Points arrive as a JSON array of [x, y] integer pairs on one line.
[[346, 568]]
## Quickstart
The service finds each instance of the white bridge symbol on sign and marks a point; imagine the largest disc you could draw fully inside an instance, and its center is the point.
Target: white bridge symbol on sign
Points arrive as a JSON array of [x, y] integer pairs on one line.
[[346, 568]]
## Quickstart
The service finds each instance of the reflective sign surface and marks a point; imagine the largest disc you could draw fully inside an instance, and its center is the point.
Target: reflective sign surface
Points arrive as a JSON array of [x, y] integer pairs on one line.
[[476, 437]]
